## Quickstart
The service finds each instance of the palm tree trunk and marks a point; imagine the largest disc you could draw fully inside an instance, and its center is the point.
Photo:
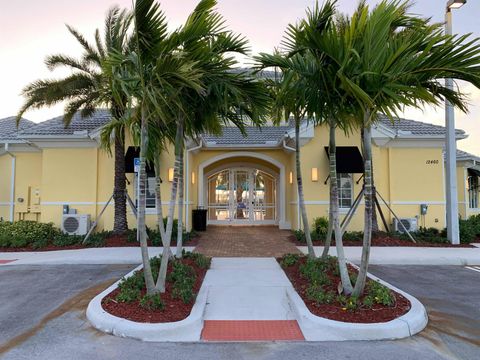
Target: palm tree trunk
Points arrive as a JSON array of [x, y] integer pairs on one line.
[[142, 204], [334, 211], [367, 234], [160, 285], [306, 227], [120, 224], [158, 199], [180, 206]]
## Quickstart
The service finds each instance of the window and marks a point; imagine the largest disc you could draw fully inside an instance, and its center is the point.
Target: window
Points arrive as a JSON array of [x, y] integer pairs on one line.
[[150, 191], [473, 191], [345, 190]]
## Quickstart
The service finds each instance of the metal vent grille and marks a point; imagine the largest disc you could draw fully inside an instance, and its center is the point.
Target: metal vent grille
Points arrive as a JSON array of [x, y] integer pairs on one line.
[[407, 224], [71, 224]]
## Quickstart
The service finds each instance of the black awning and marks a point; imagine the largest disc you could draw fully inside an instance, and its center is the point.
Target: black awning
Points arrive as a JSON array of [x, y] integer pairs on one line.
[[473, 172], [349, 160], [132, 153]]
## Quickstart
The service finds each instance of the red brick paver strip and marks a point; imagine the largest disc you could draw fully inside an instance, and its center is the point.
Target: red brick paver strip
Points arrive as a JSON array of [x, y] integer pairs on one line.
[[2, 262], [251, 330], [245, 241]]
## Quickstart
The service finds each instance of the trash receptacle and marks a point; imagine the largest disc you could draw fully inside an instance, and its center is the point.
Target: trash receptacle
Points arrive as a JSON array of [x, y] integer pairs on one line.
[[199, 222]]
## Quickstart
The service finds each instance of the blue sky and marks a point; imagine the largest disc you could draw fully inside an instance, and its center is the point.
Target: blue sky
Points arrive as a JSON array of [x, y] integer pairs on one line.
[[26, 37]]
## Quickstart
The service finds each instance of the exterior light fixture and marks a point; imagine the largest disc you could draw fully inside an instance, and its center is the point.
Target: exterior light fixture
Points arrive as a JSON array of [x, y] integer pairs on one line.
[[193, 177], [455, 4], [170, 174], [314, 174], [291, 177]]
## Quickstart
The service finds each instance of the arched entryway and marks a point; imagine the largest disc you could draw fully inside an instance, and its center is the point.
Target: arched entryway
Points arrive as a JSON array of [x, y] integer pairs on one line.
[[243, 195], [243, 188]]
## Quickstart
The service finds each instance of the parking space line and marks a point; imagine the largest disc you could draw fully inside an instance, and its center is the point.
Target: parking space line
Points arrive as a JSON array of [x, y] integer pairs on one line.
[[474, 268]]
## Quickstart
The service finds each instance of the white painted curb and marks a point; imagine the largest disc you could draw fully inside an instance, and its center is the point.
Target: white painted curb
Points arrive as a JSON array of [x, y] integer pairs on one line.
[[316, 328], [188, 329]]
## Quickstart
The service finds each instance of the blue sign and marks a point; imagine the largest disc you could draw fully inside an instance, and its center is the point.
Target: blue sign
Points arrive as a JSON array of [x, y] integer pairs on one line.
[[136, 165]]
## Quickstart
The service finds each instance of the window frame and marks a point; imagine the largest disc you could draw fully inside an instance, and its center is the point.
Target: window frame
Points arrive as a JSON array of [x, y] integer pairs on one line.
[[341, 190], [151, 202], [472, 187]]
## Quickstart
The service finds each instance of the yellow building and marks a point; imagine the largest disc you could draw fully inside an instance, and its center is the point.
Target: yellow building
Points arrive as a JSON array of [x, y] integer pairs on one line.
[[240, 180]]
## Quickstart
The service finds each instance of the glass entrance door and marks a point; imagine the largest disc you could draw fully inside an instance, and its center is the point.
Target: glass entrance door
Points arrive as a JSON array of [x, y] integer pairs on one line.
[[242, 196]]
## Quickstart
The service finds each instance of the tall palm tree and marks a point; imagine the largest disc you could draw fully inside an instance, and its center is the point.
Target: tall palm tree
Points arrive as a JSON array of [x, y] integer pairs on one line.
[[90, 85], [314, 50], [400, 60], [229, 96], [157, 71], [290, 96]]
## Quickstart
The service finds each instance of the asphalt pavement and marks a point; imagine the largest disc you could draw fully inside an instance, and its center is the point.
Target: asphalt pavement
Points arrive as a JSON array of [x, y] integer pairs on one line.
[[42, 316]]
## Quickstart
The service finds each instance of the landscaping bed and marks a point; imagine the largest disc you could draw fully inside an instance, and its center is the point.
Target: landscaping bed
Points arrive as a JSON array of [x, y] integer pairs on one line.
[[184, 279], [317, 283], [382, 239], [24, 236]]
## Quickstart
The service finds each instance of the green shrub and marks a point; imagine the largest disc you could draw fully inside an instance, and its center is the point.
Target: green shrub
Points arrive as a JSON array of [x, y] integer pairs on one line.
[[136, 281], [320, 226], [317, 294], [353, 236], [468, 230], [26, 233], [202, 261], [152, 302], [299, 235], [380, 293], [289, 260], [128, 295], [62, 239], [349, 303]]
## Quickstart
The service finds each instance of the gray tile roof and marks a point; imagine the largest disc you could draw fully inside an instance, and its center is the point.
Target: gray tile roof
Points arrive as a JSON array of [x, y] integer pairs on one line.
[[9, 130], [56, 126], [405, 127], [463, 155], [264, 135]]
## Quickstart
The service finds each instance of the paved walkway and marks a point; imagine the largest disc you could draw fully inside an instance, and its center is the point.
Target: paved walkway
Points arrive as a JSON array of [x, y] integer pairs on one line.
[[245, 241], [381, 255], [247, 300], [90, 256]]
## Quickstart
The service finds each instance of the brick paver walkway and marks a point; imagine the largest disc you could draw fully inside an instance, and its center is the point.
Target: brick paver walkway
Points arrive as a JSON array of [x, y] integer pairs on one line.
[[245, 241]]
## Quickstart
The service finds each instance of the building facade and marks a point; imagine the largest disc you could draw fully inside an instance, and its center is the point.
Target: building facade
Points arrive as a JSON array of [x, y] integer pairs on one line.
[[240, 180]]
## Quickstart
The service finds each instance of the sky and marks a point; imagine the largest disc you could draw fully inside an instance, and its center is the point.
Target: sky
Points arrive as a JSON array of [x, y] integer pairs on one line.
[[31, 29]]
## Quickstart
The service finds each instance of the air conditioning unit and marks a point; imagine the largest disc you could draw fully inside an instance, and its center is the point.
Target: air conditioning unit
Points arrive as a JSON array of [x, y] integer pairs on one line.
[[75, 224], [409, 223]]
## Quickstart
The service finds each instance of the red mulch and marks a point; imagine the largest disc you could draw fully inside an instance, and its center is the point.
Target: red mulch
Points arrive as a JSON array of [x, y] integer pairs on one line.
[[175, 309], [112, 241], [334, 311], [383, 240]]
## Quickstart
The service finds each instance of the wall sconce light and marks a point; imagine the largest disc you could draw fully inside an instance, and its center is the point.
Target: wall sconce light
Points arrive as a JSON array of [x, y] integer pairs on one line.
[[291, 177], [170, 174], [193, 177], [314, 174]]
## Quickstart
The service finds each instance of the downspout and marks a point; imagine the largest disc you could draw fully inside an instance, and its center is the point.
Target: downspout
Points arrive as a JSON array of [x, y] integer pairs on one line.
[[12, 183], [286, 147], [187, 184]]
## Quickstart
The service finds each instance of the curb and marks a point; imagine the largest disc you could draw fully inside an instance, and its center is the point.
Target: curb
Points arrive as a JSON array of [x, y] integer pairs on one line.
[[188, 329], [316, 328]]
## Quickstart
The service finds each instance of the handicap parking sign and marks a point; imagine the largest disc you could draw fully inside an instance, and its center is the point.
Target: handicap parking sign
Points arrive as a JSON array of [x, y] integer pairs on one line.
[[136, 165]]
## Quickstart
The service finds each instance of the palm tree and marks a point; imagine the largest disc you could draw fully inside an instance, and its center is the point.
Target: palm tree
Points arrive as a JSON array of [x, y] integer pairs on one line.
[[229, 96], [290, 95], [91, 84], [400, 60], [314, 50]]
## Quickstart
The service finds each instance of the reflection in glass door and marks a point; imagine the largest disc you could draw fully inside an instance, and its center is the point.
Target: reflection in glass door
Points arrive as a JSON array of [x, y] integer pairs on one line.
[[242, 195]]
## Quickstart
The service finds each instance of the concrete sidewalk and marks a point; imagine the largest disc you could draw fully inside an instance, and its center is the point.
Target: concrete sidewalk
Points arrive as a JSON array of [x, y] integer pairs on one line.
[[382, 255], [90, 256], [247, 289]]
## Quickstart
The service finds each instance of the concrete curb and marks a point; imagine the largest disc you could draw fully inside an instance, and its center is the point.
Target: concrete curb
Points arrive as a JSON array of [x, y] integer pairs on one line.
[[188, 329], [316, 328]]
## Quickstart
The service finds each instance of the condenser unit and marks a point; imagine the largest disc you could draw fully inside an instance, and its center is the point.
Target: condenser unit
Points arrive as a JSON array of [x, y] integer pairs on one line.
[[75, 224], [409, 223]]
